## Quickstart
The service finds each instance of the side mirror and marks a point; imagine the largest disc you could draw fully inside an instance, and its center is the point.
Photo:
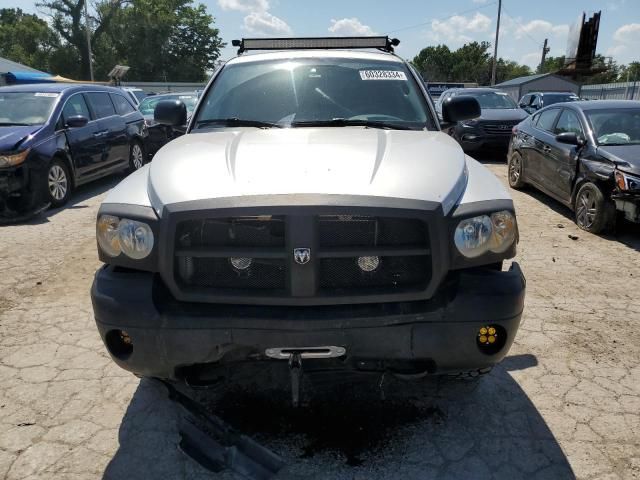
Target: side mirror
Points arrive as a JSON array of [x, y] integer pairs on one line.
[[170, 112], [460, 108], [570, 138], [77, 121]]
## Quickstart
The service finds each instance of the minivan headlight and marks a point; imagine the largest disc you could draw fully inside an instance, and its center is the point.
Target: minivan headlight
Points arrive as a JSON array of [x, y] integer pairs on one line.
[[131, 237], [478, 235]]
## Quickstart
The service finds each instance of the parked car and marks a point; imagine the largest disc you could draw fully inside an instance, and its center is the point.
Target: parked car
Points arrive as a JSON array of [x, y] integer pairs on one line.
[[492, 130], [136, 95], [56, 137], [585, 155], [534, 101], [160, 134], [312, 215]]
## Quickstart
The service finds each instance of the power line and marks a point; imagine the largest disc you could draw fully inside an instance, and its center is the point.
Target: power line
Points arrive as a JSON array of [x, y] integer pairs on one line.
[[442, 18], [522, 27]]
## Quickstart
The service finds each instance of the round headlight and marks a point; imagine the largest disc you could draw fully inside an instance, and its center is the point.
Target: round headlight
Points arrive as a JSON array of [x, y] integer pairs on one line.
[[504, 231], [136, 238], [107, 234], [472, 236]]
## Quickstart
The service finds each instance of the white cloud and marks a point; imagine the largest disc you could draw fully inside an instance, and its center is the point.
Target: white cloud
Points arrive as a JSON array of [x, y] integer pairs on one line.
[[628, 34], [531, 59], [460, 28], [627, 42], [350, 27], [479, 1], [244, 5], [264, 23], [539, 29]]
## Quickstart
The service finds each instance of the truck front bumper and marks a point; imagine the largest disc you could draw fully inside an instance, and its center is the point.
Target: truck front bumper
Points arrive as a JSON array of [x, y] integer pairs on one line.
[[165, 338]]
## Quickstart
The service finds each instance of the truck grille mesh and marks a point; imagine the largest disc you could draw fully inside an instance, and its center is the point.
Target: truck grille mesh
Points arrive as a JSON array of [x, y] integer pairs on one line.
[[204, 249]]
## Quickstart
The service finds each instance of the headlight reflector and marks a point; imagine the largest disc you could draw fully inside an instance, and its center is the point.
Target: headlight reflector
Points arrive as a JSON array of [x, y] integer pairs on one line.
[[624, 181], [107, 233], [478, 235], [13, 160], [133, 238], [136, 238]]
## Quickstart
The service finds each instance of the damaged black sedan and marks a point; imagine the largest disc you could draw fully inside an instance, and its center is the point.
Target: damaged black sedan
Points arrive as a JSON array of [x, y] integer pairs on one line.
[[55, 137], [585, 155]]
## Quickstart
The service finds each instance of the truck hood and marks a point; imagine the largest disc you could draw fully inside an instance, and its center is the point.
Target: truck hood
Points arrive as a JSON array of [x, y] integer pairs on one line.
[[417, 165], [12, 136]]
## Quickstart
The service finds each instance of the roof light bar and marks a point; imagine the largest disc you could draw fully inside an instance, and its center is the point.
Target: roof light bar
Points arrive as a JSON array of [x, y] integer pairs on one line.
[[305, 43]]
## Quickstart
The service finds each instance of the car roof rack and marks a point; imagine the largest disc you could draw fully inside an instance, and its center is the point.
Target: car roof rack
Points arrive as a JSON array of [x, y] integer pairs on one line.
[[383, 43]]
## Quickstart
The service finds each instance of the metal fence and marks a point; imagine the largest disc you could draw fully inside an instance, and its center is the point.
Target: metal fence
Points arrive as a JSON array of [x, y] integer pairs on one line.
[[165, 87], [611, 91]]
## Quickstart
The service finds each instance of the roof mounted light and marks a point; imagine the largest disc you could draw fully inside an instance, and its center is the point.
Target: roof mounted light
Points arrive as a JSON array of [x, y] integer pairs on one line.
[[305, 43]]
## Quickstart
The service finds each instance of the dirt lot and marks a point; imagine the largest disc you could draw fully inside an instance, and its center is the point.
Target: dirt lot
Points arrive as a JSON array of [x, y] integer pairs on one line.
[[565, 403]]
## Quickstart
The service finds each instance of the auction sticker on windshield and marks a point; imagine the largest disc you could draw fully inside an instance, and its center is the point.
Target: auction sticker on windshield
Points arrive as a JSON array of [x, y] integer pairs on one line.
[[382, 75]]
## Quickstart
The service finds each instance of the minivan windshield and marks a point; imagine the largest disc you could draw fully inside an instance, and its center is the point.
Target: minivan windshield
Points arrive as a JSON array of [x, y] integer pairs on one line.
[[492, 100], [619, 126], [315, 92], [26, 108]]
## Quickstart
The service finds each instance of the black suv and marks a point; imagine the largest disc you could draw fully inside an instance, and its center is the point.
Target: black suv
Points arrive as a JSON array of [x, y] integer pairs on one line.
[[534, 101], [492, 131], [56, 137]]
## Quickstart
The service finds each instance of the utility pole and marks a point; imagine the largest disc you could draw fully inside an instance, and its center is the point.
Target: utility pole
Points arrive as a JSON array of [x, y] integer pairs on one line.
[[86, 26], [545, 50], [495, 47]]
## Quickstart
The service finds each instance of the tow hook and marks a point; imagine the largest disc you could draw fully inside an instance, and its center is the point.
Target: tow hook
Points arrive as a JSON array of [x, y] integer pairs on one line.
[[295, 356], [295, 367]]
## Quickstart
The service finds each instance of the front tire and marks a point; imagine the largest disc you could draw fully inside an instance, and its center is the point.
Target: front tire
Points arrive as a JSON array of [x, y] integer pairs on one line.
[[515, 171], [593, 212], [58, 184], [136, 157]]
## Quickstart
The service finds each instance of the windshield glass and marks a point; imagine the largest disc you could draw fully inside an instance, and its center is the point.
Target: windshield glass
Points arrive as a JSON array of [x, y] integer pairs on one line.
[[149, 103], [26, 108], [316, 91], [551, 98], [140, 95], [492, 100], [619, 126]]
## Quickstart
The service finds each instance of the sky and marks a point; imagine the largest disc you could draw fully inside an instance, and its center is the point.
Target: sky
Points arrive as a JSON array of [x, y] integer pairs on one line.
[[419, 23]]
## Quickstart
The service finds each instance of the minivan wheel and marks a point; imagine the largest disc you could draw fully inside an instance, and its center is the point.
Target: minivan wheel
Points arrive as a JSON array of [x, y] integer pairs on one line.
[[515, 171], [58, 185], [136, 157], [593, 212]]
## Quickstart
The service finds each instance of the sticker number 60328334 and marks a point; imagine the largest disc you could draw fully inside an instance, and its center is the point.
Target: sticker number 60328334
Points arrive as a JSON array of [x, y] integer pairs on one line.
[[382, 75]]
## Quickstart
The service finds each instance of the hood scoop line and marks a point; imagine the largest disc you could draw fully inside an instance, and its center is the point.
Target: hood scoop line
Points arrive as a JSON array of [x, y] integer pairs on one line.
[[380, 154], [231, 153]]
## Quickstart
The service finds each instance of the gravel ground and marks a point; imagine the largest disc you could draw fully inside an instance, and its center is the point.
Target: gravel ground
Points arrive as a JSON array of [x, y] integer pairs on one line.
[[564, 404]]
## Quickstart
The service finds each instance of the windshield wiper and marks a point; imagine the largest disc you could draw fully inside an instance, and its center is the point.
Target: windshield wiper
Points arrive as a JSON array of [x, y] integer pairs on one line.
[[345, 122], [236, 122], [14, 124]]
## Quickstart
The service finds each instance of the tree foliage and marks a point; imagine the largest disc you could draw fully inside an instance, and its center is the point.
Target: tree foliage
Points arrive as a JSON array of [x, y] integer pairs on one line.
[[160, 40], [470, 63], [26, 38]]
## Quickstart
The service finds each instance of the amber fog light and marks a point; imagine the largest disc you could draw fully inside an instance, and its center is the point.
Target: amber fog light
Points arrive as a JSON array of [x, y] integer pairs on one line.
[[119, 344], [491, 339]]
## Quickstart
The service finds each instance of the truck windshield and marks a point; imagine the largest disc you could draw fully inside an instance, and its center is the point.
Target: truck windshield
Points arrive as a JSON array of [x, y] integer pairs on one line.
[[315, 92], [26, 108]]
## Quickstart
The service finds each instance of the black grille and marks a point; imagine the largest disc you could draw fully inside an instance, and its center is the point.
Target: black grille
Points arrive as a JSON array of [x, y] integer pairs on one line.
[[365, 231], [204, 250], [255, 231], [392, 273], [499, 128], [219, 273]]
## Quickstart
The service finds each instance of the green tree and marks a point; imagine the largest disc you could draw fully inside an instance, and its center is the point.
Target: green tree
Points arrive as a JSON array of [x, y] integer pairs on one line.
[[67, 19], [472, 63], [163, 40], [508, 69], [629, 72], [26, 38], [551, 64], [434, 63]]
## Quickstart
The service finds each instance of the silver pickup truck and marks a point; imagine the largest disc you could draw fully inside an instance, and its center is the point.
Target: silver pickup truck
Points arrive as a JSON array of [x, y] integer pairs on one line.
[[314, 216]]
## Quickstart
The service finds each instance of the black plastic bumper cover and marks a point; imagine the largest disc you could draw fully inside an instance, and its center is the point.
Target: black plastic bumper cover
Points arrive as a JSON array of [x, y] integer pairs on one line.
[[441, 331]]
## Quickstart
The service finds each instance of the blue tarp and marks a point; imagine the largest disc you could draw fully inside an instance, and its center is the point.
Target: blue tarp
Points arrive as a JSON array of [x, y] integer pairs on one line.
[[29, 77]]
